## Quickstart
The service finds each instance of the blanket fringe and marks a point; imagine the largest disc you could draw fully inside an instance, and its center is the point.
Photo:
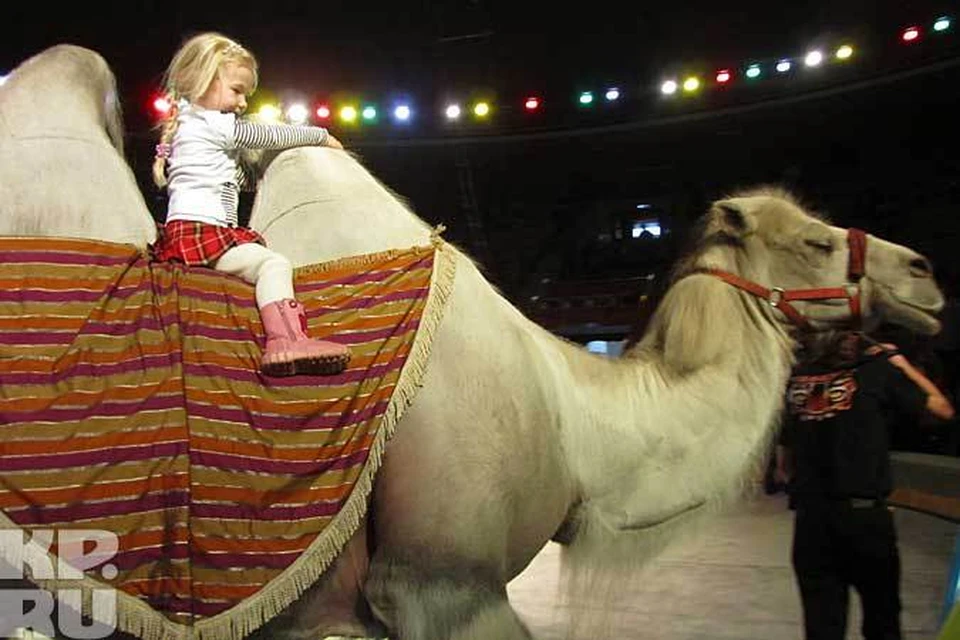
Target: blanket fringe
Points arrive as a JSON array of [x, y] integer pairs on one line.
[[249, 615], [356, 262], [135, 617]]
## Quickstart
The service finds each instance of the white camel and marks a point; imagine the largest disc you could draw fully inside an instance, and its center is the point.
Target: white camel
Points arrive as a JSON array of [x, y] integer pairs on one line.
[[526, 432], [517, 434]]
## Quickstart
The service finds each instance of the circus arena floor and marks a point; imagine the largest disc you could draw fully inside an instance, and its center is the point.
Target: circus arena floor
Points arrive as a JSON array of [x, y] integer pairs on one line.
[[734, 582]]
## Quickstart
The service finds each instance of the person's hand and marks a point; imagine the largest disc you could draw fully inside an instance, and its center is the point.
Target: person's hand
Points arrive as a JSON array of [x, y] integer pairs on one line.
[[332, 142]]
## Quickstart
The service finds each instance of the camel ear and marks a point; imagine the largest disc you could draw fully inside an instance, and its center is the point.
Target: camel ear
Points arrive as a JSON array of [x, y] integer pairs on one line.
[[731, 218]]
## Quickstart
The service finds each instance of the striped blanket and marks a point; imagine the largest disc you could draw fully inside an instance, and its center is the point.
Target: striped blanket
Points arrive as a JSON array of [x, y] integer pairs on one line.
[[131, 402]]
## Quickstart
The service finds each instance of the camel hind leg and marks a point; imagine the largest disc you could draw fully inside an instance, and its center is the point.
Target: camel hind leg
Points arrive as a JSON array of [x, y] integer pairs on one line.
[[419, 599]]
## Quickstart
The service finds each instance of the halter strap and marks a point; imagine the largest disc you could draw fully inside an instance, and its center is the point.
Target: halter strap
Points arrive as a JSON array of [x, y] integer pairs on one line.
[[857, 241], [779, 298]]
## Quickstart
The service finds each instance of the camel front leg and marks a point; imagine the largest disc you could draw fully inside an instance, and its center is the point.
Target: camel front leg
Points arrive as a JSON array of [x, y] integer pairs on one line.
[[423, 599]]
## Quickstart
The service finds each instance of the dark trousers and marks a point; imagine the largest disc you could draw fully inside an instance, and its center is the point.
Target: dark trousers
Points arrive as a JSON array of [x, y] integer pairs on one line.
[[837, 545]]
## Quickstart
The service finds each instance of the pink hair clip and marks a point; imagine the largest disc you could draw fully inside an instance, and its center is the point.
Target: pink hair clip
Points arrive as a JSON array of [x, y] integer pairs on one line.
[[163, 150]]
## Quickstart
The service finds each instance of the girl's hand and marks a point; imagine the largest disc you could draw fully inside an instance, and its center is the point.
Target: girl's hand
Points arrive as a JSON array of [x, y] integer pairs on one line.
[[332, 142]]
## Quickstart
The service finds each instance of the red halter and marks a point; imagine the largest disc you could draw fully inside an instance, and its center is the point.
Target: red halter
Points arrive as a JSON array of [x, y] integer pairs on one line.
[[780, 298]]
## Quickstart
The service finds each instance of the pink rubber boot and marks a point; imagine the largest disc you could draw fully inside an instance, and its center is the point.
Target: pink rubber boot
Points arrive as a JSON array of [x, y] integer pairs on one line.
[[290, 351]]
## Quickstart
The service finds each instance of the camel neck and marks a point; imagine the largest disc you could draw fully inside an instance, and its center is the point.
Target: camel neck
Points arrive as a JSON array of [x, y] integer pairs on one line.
[[690, 422]]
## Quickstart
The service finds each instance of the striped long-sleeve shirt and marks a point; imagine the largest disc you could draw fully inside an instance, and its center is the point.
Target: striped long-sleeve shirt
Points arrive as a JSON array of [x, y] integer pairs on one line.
[[255, 135], [204, 175]]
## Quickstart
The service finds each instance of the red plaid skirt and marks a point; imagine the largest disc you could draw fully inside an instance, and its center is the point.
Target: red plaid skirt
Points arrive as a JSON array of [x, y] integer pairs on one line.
[[198, 243]]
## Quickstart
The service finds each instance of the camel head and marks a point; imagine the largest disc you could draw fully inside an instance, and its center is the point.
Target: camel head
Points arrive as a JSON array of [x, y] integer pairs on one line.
[[710, 371], [829, 276]]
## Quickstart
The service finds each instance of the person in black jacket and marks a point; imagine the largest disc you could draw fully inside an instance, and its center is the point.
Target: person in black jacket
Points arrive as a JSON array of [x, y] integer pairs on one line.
[[833, 453]]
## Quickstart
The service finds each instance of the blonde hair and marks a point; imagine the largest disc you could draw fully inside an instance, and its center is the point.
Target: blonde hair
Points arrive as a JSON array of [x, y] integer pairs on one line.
[[192, 70]]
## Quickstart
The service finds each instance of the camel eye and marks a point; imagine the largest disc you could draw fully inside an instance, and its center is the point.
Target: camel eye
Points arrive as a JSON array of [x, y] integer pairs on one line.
[[820, 245]]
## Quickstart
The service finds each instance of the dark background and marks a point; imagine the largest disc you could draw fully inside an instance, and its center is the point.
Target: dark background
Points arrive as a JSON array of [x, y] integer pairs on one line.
[[546, 202]]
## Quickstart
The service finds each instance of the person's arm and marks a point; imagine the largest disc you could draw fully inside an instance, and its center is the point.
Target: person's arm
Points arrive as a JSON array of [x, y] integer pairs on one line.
[[256, 135], [937, 403]]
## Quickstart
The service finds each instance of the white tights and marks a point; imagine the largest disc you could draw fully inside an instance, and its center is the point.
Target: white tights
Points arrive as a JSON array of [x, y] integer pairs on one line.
[[268, 270]]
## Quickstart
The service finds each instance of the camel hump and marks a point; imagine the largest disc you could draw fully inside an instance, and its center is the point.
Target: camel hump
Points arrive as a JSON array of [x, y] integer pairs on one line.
[[65, 90], [61, 58], [73, 50]]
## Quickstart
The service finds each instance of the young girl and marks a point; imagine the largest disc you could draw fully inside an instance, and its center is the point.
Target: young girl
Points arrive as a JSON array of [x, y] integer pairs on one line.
[[208, 82]]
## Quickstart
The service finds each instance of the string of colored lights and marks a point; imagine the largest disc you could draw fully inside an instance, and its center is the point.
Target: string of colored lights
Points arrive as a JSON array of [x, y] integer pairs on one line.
[[670, 87]]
